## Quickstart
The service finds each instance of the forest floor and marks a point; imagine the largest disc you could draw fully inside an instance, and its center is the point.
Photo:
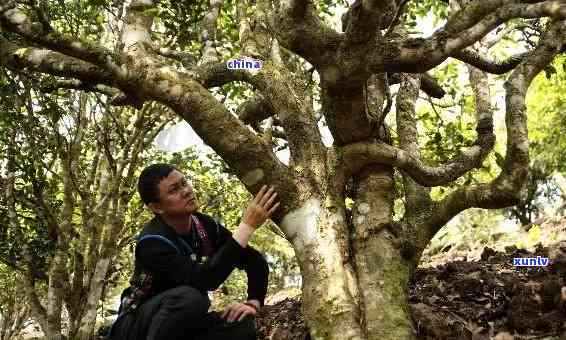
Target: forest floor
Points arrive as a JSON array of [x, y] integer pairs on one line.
[[462, 298]]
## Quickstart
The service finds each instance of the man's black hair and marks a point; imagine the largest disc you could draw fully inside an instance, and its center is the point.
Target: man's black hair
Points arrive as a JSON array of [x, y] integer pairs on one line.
[[148, 182]]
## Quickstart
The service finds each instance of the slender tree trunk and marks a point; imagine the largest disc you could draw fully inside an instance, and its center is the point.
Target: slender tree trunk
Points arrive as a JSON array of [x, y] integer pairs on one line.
[[13, 315], [88, 320], [55, 296]]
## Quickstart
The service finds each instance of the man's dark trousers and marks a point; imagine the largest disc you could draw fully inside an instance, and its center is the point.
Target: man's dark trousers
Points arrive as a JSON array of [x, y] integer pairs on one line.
[[180, 314]]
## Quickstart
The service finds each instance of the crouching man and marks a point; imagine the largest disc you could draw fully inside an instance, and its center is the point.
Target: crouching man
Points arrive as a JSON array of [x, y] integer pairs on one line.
[[180, 255]]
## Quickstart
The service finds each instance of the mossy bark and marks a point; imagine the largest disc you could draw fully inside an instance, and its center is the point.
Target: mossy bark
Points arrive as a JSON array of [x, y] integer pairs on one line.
[[354, 287]]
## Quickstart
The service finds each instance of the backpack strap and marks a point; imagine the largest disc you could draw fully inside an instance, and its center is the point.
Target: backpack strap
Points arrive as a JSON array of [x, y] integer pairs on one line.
[[159, 237], [186, 245]]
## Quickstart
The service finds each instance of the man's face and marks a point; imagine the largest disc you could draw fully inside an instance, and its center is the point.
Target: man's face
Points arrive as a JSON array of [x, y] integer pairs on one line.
[[176, 196]]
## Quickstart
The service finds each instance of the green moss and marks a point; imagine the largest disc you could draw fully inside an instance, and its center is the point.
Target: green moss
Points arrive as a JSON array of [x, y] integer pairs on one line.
[[396, 316]]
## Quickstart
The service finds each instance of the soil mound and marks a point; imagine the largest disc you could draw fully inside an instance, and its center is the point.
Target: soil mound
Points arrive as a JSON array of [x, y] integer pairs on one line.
[[488, 299]]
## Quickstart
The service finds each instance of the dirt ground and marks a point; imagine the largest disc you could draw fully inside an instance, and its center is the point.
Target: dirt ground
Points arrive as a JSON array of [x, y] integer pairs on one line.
[[485, 299]]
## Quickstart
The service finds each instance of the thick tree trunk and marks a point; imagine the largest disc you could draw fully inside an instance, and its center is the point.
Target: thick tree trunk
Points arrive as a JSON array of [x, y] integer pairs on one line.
[[383, 274], [351, 294], [329, 288]]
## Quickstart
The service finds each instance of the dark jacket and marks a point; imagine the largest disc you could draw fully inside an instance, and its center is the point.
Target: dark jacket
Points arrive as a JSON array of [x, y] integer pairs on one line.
[[173, 266]]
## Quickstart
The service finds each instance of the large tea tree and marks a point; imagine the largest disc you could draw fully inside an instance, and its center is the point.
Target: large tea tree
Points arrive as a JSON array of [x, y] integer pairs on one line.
[[355, 263]]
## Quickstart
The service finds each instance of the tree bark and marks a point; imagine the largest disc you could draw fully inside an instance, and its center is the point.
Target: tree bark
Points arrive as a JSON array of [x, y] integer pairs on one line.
[[88, 320], [358, 292], [329, 288], [382, 271]]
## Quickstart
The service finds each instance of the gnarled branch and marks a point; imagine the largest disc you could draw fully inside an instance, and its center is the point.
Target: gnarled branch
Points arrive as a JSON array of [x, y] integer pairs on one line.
[[506, 189], [429, 85], [463, 29], [297, 118], [208, 33], [187, 59], [217, 74], [407, 158], [16, 58], [254, 110], [16, 21], [491, 66], [117, 97], [299, 29], [416, 196], [358, 155], [362, 22]]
